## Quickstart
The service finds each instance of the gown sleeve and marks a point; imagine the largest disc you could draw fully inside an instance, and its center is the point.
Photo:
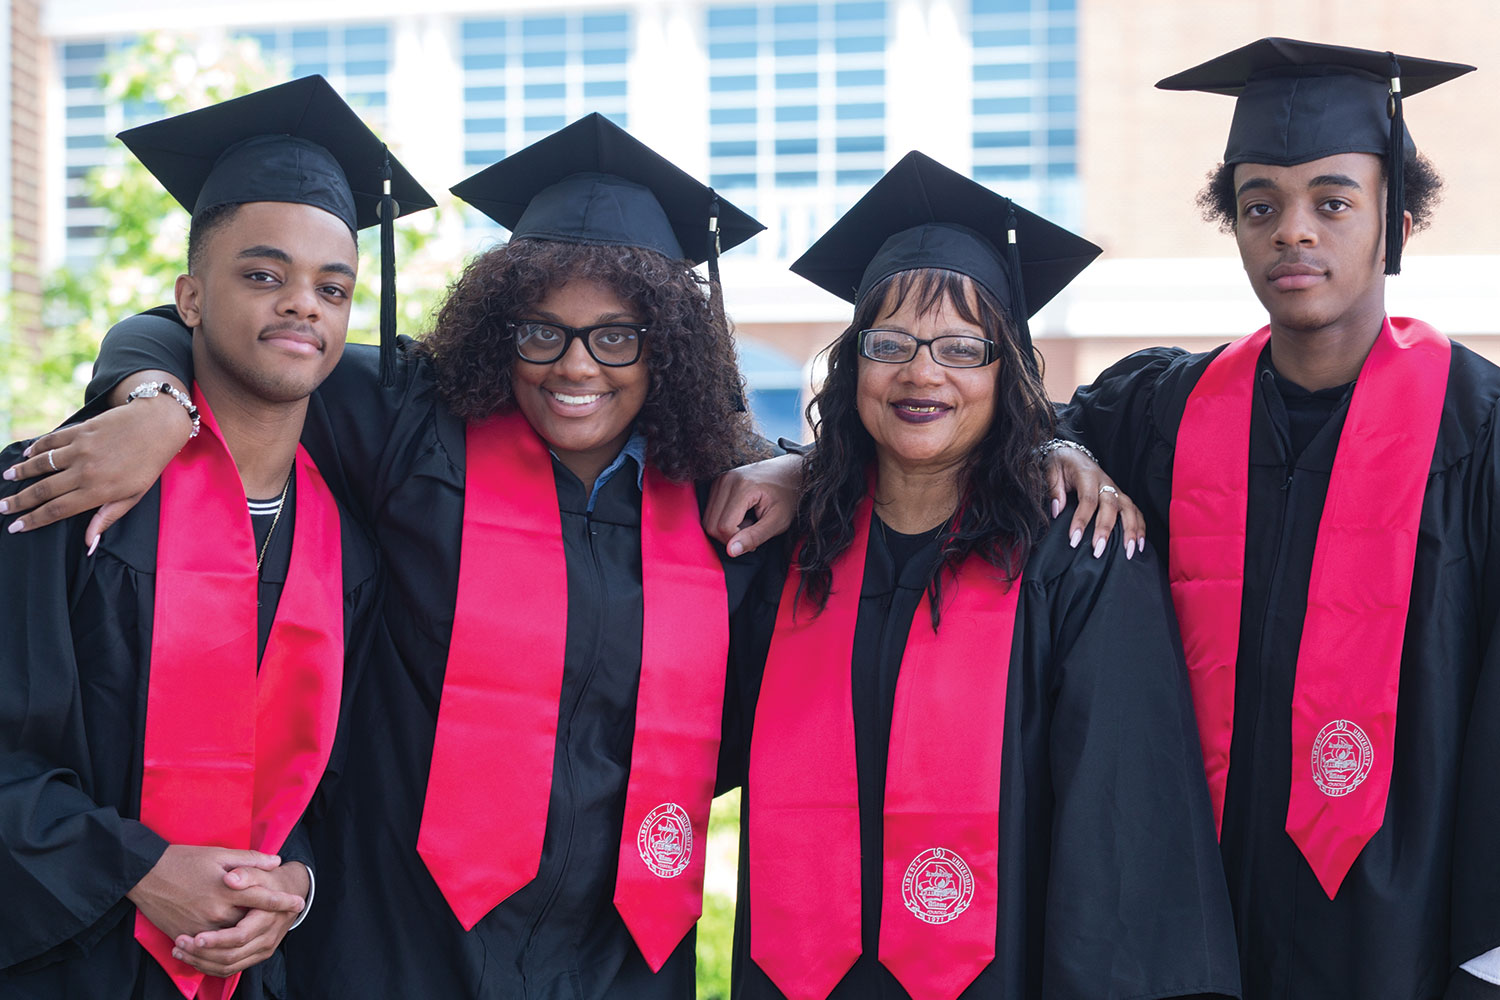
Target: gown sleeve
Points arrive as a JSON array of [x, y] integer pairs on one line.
[[1136, 896], [66, 862], [1112, 417]]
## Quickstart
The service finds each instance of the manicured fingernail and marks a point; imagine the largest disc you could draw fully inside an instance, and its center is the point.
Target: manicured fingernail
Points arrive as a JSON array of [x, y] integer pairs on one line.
[[27, 452], [735, 548], [4, 506], [94, 544], [10, 473], [16, 526], [1075, 537], [1099, 547], [1056, 507], [1141, 545]]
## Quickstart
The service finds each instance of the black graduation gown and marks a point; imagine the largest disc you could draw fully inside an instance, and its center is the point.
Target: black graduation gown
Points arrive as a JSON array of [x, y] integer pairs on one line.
[[1110, 885], [1424, 895], [381, 926], [74, 672]]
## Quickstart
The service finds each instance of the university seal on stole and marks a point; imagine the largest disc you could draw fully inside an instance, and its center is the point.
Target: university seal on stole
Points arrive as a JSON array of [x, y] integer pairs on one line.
[[938, 886], [665, 840], [1341, 758]]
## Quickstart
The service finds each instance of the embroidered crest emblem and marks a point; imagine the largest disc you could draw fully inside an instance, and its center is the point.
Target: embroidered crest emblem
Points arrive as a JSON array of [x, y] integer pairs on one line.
[[1341, 758], [666, 840], [938, 886]]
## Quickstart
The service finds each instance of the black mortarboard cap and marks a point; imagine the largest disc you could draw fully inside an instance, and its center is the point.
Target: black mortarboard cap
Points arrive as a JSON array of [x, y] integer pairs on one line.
[[592, 182], [922, 214], [297, 142], [1301, 101]]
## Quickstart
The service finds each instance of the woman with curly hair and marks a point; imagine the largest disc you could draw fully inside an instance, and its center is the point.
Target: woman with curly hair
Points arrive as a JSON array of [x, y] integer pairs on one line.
[[1007, 799], [527, 778]]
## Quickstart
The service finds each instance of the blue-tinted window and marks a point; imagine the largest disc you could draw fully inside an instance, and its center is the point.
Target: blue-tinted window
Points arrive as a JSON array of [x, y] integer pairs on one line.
[[737, 148], [858, 176], [731, 50], [544, 123], [598, 24], [532, 27], [1062, 168], [795, 14], [994, 39], [1004, 71], [796, 147], [1062, 137], [1061, 103], [375, 99], [545, 91], [484, 93], [84, 232], [731, 17], [264, 39], [796, 47], [860, 144], [484, 29], [484, 124], [732, 180], [85, 142], [797, 113], [1002, 6], [484, 60], [1066, 35], [796, 81], [89, 80], [1002, 172], [1001, 140], [366, 67], [86, 111], [604, 88], [309, 38], [1062, 70], [482, 157], [855, 45], [538, 60], [1061, 5], [79, 50], [861, 78], [860, 112], [366, 36], [858, 11], [603, 57], [721, 84], [1002, 105], [308, 68], [796, 178], [731, 116]]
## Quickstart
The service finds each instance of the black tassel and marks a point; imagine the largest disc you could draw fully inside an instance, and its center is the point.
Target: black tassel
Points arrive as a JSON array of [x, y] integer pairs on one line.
[[1018, 293], [715, 289], [388, 211], [1395, 202]]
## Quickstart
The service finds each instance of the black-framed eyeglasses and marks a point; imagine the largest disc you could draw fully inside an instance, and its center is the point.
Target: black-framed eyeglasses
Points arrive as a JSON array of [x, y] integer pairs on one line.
[[896, 347], [614, 345]]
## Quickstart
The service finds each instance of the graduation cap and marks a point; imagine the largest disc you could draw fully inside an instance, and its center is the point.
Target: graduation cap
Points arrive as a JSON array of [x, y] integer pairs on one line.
[[592, 182], [1302, 101], [298, 142], [921, 214]]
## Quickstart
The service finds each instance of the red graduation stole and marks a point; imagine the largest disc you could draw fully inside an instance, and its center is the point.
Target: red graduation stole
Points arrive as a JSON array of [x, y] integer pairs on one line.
[[485, 813], [940, 896], [1349, 662], [232, 756]]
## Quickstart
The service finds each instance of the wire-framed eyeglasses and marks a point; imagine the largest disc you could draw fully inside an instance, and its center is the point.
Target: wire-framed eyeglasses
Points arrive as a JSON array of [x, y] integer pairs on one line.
[[614, 345], [896, 347]]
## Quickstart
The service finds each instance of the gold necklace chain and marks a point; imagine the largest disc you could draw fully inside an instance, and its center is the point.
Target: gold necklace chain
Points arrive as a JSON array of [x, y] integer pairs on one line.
[[274, 521]]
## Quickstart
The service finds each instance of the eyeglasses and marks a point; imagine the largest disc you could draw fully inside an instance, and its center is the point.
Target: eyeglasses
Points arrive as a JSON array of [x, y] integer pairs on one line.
[[614, 345], [894, 347]]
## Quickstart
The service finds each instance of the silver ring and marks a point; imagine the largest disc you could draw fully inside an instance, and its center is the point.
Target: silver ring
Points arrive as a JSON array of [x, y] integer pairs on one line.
[[1106, 488], [49, 460]]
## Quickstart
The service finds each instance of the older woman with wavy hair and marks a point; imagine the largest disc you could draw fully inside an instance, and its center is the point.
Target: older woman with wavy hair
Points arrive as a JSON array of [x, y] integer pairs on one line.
[[534, 746], [973, 769]]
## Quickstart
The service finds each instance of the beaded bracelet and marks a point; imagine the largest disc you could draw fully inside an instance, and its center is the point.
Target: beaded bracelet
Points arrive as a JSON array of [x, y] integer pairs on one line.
[[1049, 447], [148, 389]]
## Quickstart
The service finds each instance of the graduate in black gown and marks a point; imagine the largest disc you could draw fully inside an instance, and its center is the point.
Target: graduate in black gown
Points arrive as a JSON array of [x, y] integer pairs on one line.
[[1415, 912], [587, 336], [1002, 799], [146, 701]]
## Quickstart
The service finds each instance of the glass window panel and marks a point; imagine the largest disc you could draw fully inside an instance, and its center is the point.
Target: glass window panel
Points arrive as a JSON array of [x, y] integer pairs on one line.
[[859, 12], [374, 99], [1062, 70], [796, 178], [374, 35], [720, 84], [1004, 71], [731, 50], [544, 123], [855, 45], [532, 27], [546, 91], [1002, 172], [1002, 105], [857, 176], [1064, 35], [308, 68], [537, 60], [82, 81], [796, 81], [85, 142], [82, 50], [738, 148], [1062, 168], [484, 93], [599, 24], [484, 29], [366, 67], [861, 78], [795, 14], [731, 116], [484, 124], [732, 180], [1001, 140], [1061, 103], [797, 113], [796, 147], [603, 57], [991, 39], [731, 17], [860, 144], [1062, 137], [860, 112], [796, 46], [86, 111], [309, 38], [1001, 6], [484, 60], [482, 157], [604, 88]]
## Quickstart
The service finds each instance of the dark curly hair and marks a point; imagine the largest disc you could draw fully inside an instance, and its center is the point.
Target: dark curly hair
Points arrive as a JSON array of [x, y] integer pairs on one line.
[[691, 419], [1001, 509], [1424, 189]]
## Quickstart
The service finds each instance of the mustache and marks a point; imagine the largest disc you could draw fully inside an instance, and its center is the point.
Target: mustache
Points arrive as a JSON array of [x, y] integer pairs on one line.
[[292, 326]]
